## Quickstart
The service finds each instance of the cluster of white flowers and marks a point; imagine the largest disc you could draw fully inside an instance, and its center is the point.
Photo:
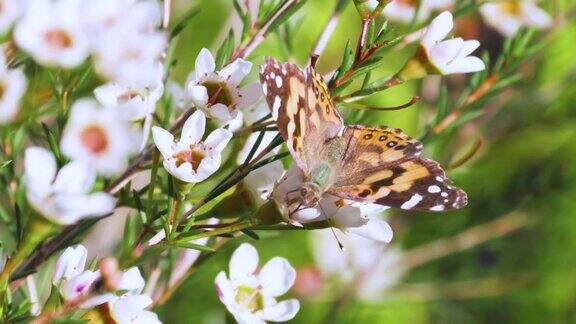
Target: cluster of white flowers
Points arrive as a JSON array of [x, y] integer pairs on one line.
[[123, 41], [76, 283]]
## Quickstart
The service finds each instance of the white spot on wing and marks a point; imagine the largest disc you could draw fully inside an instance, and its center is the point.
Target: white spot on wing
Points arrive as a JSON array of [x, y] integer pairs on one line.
[[444, 194], [265, 89], [434, 189], [278, 80], [439, 179], [437, 208], [276, 107], [272, 75], [413, 201], [284, 71]]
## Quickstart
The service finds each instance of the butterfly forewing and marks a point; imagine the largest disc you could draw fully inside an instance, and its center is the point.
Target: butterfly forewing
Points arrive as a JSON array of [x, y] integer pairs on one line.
[[301, 104], [284, 86]]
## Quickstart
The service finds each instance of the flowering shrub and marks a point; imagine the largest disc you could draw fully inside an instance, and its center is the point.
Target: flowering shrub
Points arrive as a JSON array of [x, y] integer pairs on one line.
[[157, 172]]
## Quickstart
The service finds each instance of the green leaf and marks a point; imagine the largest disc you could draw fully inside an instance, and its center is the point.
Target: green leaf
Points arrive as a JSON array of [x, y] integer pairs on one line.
[[225, 51], [184, 21], [286, 15], [251, 234], [194, 246]]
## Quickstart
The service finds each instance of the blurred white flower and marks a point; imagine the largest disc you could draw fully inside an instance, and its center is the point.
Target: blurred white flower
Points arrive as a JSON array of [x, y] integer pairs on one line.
[[134, 102], [132, 309], [369, 265], [404, 11], [191, 159], [70, 276], [127, 44], [12, 87], [9, 12], [508, 16], [260, 182], [62, 197], [179, 98], [251, 297], [451, 55], [51, 32], [218, 93], [70, 263], [353, 217], [97, 136]]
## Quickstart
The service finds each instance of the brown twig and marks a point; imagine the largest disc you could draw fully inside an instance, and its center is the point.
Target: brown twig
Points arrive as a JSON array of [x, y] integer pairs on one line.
[[243, 51], [464, 240]]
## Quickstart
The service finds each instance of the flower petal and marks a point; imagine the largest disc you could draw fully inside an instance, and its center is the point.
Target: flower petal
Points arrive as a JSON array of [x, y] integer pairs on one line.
[[193, 128], [236, 71], [74, 178], [438, 29], [276, 277], [71, 263], [132, 281], [163, 140], [198, 94], [218, 139], [204, 63], [243, 262], [281, 312], [39, 168], [375, 229]]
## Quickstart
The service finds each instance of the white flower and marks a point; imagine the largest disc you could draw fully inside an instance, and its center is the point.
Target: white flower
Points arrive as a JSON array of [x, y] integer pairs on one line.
[[251, 297], [133, 101], [179, 98], [132, 309], [508, 16], [260, 182], [218, 93], [12, 87], [70, 276], [96, 136], [191, 159], [52, 33], [127, 44], [10, 11], [452, 55], [404, 11], [369, 265], [63, 198], [349, 216], [70, 264]]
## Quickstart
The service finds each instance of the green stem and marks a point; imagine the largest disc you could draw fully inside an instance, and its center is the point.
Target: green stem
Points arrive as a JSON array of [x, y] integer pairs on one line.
[[38, 230], [223, 230]]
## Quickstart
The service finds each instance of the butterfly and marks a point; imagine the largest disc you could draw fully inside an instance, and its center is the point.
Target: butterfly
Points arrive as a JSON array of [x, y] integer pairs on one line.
[[372, 164]]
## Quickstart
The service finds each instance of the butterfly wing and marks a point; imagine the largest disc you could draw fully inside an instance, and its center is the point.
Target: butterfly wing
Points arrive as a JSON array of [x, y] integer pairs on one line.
[[382, 165], [300, 103]]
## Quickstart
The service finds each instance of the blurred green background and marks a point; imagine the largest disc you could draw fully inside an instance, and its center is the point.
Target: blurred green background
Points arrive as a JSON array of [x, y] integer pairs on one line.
[[526, 167]]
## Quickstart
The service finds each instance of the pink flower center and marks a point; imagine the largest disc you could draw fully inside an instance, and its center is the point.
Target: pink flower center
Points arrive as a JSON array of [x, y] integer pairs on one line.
[[193, 156], [58, 39], [94, 138]]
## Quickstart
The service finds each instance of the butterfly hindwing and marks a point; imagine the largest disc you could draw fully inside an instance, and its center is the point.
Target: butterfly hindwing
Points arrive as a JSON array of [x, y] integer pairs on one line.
[[417, 184]]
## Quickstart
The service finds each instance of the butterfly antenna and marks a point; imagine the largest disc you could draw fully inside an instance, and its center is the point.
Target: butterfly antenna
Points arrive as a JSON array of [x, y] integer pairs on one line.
[[329, 220]]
